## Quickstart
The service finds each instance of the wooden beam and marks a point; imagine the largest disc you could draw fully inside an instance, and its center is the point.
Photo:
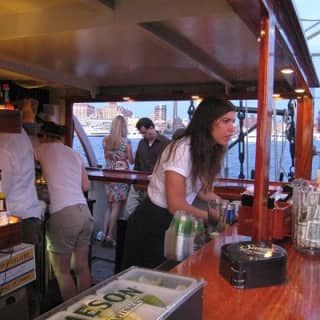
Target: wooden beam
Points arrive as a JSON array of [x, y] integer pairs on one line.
[[68, 139], [49, 77], [265, 90], [48, 17], [186, 47], [108, 3]]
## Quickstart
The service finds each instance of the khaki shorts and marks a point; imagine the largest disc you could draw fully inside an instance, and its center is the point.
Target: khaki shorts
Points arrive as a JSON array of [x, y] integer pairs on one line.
[[69, 228]]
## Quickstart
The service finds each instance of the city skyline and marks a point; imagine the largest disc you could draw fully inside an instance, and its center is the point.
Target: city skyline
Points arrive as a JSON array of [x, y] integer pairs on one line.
[[146, 108], [96, 117]]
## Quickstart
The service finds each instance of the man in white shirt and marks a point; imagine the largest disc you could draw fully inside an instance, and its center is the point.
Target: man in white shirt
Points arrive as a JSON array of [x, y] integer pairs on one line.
[[18, 182]]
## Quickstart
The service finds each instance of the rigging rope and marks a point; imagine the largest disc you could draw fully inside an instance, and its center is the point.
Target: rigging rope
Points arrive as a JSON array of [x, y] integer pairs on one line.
[[191, 109], [291, 136], [274, 137], [247, 137], [283, 145], [241, 116]]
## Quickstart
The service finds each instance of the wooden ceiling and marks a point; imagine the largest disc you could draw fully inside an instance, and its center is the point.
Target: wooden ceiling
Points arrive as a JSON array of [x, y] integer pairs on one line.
[[146, 49]]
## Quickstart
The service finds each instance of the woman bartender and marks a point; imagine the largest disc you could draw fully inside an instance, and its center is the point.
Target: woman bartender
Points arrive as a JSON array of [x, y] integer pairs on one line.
[[186, 169]]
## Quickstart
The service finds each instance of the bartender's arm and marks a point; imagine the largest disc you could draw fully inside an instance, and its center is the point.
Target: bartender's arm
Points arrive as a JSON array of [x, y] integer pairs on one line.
[[175, 185], [207, 195]]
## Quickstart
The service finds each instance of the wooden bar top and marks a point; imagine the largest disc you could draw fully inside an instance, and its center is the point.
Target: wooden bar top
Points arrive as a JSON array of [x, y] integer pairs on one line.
[[124, 176], [297, 299], [226, 188]]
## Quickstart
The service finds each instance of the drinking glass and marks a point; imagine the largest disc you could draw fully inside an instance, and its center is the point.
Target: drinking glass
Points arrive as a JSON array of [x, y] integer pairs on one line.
[[216, 216], [306, 217]]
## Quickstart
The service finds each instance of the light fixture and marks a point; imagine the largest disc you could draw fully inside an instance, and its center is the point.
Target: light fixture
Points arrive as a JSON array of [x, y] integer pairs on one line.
[[276, 96], [196, 98], [299, 90], [287, 71], [128, 99]]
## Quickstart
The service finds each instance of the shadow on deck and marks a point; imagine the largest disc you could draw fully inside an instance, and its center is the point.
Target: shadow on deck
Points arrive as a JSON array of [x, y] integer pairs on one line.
[[102, 262]]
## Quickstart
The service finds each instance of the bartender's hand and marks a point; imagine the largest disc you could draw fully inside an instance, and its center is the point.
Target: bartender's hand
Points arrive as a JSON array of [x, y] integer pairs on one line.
[[213, 215]]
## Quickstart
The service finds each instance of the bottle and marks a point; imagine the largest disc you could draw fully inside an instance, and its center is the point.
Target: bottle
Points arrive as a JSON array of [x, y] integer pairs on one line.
[[3, 205], [6, 90], [3, 202], [1, 100]]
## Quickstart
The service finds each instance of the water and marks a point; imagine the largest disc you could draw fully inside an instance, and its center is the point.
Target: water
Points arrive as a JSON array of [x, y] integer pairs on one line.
[[232, 164], [96, 143]]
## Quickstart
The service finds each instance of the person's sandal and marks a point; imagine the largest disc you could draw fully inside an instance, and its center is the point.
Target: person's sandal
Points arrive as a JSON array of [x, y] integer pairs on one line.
[[108, 242]]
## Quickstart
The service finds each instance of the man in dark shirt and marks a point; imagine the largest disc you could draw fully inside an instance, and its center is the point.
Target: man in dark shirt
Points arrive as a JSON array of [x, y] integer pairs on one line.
[[148, 151]]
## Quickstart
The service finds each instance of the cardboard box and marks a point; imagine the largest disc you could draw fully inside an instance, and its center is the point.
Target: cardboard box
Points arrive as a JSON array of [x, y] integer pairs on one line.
[[17, 268]]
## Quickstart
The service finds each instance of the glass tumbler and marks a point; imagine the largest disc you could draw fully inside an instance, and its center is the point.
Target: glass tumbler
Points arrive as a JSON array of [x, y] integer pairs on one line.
[[217, 208], [306, 218]]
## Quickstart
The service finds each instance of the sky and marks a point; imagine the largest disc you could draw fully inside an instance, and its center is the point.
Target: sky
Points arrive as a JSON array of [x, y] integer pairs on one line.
[[306, 9]]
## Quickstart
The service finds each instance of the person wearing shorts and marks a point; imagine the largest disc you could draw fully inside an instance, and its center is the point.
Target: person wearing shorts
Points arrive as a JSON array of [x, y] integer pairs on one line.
[[69, 228], [70, 224]]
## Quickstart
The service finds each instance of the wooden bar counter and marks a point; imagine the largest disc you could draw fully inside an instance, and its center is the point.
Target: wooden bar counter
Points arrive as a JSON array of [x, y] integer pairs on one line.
[[297, 299], [226, 188], [124, 176]]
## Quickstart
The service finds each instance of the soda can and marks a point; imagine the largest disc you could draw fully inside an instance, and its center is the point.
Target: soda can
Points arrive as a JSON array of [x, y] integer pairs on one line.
[[230, 214]]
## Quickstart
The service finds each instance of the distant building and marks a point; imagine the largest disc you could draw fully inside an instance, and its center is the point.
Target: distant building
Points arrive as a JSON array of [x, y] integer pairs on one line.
[[112, 110], [175, 123], [83, 111], [160, 117]]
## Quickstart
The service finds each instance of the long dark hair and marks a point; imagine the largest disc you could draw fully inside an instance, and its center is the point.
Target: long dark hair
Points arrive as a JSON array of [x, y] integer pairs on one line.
[[206, 154]]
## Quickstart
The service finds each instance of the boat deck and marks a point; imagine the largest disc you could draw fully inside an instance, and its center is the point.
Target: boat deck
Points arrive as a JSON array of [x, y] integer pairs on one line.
[[102, 262], [102, 267]]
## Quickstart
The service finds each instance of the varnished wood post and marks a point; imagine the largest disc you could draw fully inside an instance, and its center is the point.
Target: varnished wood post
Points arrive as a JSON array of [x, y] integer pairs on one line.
[[69, 123], [265, 91], [304, 138]]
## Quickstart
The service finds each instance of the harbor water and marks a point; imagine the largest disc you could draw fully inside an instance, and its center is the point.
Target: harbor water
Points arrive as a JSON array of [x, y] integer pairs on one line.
[[280, 159]]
